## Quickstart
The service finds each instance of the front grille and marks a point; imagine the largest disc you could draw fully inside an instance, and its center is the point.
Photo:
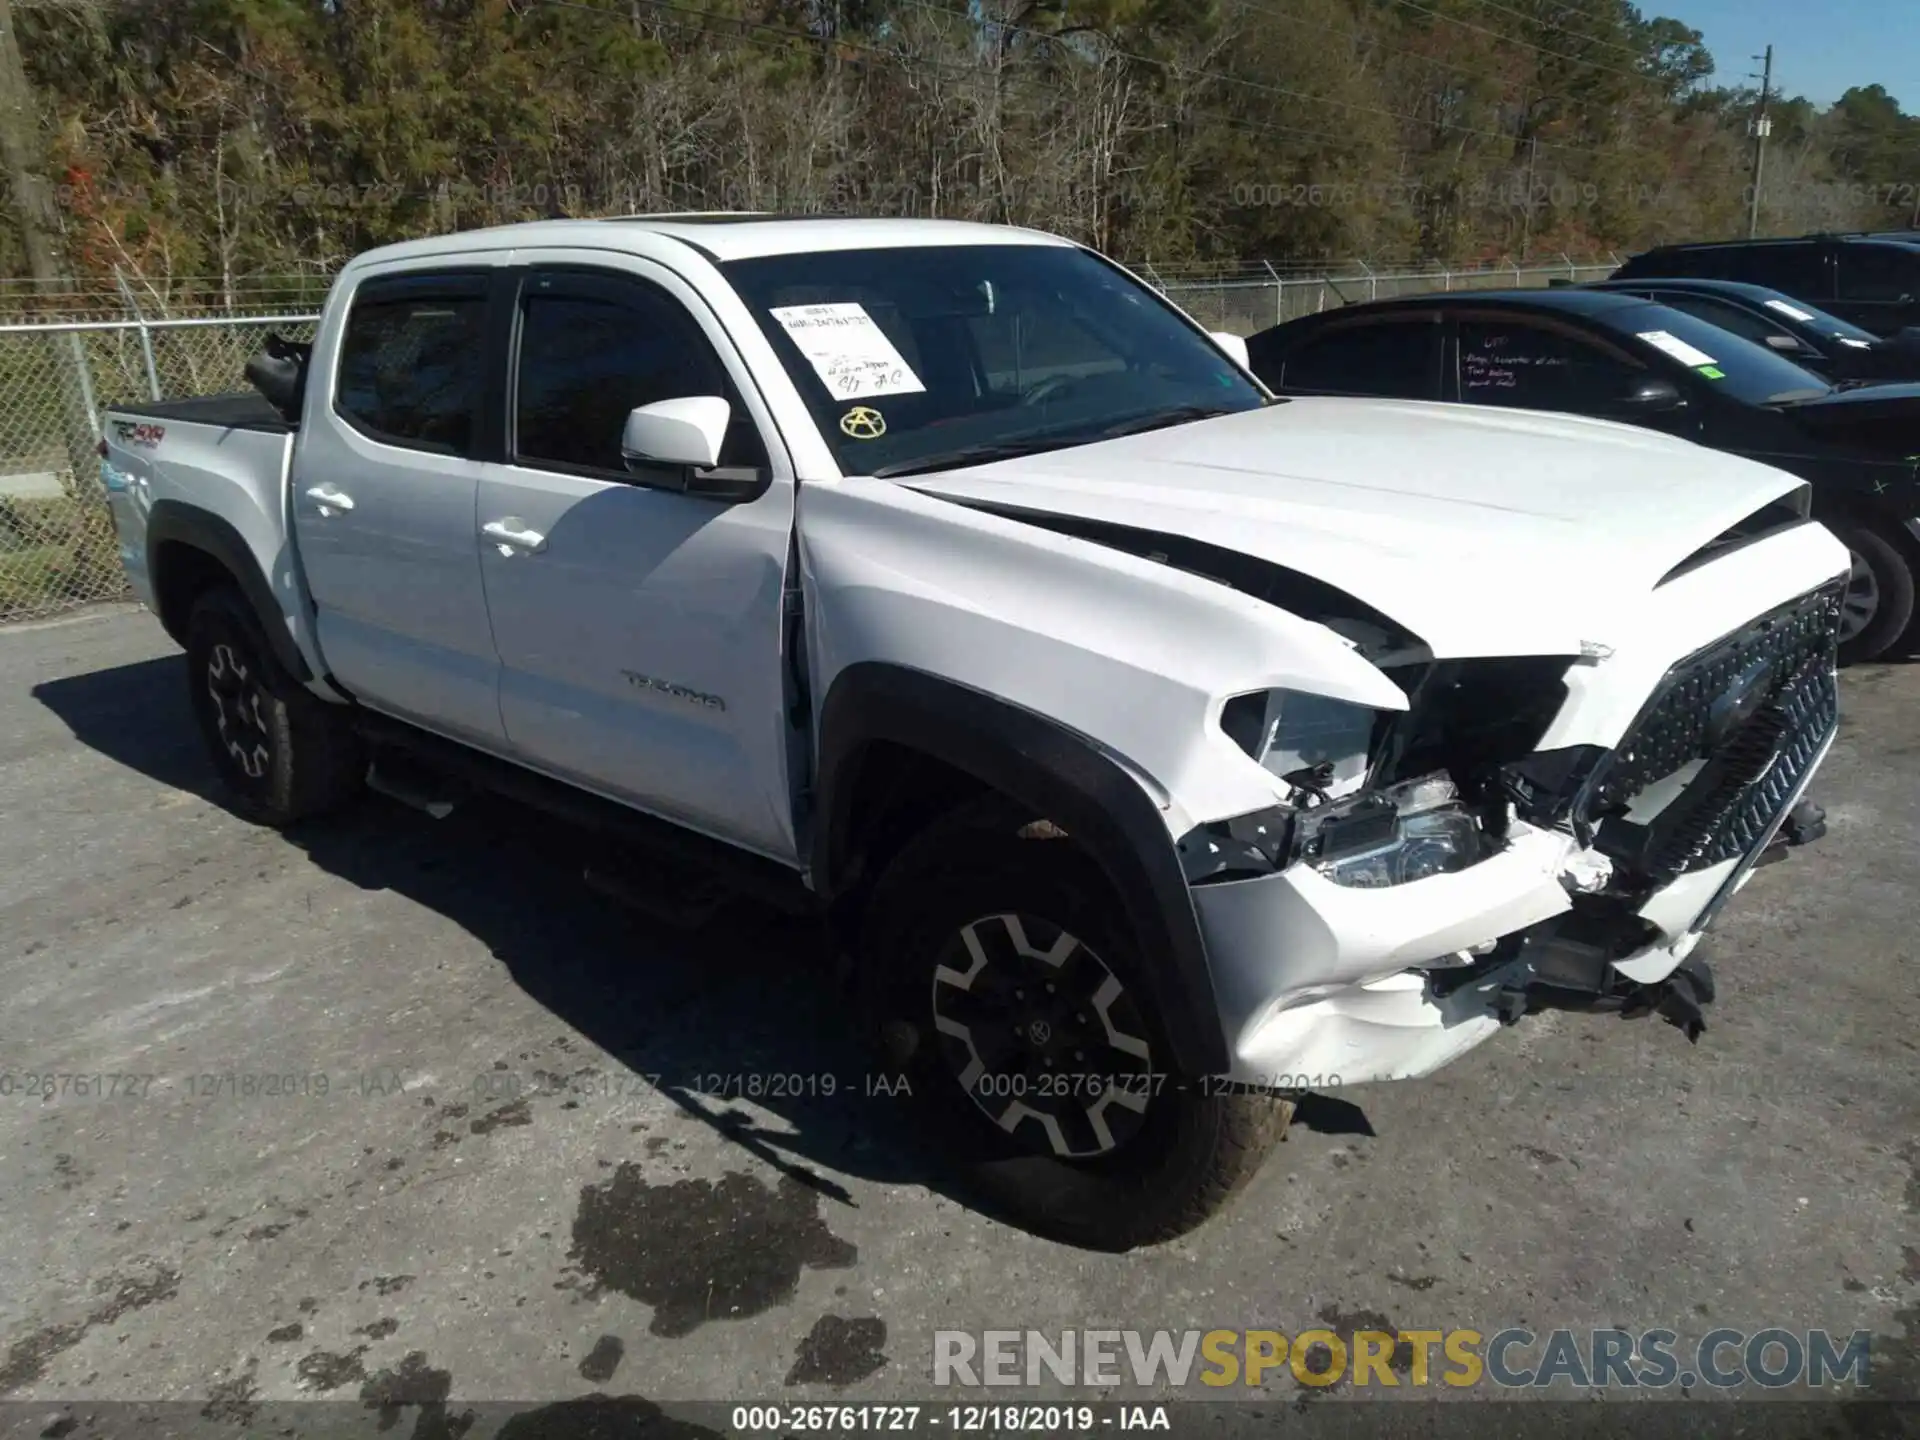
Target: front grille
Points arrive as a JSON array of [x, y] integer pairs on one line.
[[1755, 707]]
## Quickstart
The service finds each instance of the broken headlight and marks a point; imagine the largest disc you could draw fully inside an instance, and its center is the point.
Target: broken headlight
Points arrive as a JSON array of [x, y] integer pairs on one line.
[[1392, 837], [1318, 746]]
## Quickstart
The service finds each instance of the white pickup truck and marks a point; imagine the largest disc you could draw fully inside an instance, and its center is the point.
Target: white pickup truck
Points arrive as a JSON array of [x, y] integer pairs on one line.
[[1155, 749]]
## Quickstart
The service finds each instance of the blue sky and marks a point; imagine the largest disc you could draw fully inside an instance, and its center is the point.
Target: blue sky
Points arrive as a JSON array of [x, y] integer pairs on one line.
[[1820, 47]]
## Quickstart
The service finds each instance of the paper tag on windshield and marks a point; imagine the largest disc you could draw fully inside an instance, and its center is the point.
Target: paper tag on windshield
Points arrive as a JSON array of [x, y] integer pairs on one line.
[[1792, 312], [851, 355], [1676, 347]]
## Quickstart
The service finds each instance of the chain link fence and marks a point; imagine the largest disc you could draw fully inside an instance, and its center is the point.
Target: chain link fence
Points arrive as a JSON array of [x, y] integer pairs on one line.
[[1247, 299], [57, 543]]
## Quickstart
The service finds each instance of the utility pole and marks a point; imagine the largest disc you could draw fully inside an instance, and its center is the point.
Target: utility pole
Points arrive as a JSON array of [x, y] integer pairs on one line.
[[20, 152], [1526, 219], [1760, 127], [21, 155]]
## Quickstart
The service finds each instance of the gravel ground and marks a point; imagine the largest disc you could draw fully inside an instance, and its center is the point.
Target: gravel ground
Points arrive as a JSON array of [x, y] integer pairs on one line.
[[421, 1121]]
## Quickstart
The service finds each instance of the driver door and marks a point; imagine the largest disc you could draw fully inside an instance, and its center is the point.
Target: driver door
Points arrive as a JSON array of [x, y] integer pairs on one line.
[[639, 630]]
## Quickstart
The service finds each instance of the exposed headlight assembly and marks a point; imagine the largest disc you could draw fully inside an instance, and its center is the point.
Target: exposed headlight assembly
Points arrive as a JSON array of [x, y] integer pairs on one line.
[[1365, 839], [1318, 746], [1406, 833]]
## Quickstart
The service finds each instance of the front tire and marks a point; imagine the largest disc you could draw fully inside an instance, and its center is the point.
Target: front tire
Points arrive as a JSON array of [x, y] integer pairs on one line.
[[1879, 601], [282, 752], [1000, 976]]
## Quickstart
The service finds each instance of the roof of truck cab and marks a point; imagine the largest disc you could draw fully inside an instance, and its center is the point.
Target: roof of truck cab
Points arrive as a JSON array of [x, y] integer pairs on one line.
[[719, 237]]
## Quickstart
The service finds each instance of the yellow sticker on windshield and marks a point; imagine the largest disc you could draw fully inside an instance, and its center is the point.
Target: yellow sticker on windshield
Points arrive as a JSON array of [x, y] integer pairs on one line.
[[863, 423]]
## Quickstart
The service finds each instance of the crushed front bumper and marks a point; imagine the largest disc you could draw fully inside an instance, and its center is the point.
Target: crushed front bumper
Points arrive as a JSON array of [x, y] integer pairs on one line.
[[1320, 984]]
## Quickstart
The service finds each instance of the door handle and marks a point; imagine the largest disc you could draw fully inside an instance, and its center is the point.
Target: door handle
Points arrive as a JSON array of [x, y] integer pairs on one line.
[[330, 499], [509, 536]]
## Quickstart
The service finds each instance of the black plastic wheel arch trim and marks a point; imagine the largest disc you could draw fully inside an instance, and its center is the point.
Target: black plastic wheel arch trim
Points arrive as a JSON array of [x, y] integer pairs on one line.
[[172, 522], [1062, 777]]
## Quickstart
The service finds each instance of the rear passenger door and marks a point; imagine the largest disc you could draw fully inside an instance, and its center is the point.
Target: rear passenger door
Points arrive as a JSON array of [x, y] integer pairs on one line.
[[1394, 356], [384, 481], [640, 630]]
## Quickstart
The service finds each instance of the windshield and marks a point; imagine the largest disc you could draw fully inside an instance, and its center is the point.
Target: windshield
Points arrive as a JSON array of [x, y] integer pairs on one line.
[[1730, 362], [923, 358], [1819, 321]]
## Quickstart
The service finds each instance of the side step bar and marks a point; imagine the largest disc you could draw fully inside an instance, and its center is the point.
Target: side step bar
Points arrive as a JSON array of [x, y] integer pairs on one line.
[[433, 774]]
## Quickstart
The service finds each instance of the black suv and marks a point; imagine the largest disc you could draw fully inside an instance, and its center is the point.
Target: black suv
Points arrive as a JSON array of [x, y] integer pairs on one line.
[[1872, 280]]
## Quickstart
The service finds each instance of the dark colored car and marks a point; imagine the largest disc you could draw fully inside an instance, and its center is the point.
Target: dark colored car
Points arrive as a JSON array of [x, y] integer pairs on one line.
[[1823, 343], [1619, 357], [1872, 280]]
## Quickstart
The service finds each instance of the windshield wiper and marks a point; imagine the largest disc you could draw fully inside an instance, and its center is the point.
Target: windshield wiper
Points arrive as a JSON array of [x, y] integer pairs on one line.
[[1163, 419], [977, 455]]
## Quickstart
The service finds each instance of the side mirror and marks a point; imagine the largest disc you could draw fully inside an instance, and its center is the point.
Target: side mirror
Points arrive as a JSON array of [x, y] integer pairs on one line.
[[1908, 338], [687, 432], [279, 372], [1652, 395], [676, 444], [1234, 345], [1786, 344]]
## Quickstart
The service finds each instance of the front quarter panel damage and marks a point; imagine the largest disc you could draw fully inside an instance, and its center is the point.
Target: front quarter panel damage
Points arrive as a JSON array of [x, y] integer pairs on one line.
[[1134, 655]]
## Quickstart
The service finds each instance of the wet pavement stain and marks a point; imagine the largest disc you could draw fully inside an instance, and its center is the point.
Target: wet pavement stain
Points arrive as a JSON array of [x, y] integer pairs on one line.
[[324, 1371], [603, 1359], [700, 1250], [839, 1351], [1415, 1282], [388, 1284], [286, 1333], [515, 1114], [413, 1382], [1345, 1325], [602, 1417], [233, 1399], [379, 1329], [28, 1358]]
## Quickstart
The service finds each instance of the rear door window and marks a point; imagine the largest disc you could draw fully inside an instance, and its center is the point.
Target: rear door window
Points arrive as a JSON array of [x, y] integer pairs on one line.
[[1798, 269], [410, 360], [1395, 358], [1879, 272]]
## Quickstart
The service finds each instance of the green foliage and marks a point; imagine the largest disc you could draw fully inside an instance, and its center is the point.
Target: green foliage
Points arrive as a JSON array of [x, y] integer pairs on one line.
[[195, 143]]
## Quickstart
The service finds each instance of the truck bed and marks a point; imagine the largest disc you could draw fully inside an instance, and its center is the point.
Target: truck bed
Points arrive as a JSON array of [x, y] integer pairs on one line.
[[237, 410]]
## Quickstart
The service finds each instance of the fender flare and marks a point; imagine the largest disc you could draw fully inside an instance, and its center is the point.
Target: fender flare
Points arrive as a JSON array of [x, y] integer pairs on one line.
[[173, 522], [1062, 776]]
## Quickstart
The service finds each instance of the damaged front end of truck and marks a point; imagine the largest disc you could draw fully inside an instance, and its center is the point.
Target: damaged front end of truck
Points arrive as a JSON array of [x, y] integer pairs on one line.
[[1629, 851]]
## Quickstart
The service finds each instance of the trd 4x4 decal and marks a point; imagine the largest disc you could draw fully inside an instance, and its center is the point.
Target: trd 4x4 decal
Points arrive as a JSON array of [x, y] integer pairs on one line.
[[146, 436]]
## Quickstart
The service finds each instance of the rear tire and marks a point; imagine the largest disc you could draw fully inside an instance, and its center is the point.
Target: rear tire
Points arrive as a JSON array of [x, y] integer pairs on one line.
[[1879, 603], [1119, 1166], [282, 753]]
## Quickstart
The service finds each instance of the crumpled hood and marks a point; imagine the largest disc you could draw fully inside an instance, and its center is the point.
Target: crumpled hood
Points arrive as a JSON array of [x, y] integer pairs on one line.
[[1485, 533]]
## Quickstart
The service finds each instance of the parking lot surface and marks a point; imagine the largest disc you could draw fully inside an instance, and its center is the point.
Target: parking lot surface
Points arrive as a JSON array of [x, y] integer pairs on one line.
[[392, 1108]]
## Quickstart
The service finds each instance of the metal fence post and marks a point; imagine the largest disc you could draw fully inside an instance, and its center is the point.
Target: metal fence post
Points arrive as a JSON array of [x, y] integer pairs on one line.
[[1279, 293], [83, 372], [146, 335]]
